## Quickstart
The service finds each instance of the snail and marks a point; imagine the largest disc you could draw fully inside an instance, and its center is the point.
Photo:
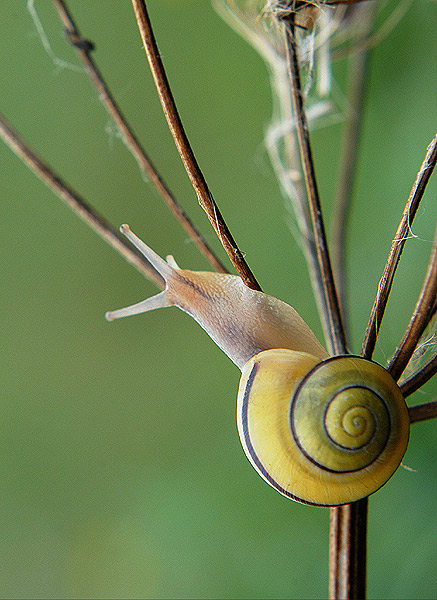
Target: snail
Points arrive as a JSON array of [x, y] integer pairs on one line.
[[322, 430]]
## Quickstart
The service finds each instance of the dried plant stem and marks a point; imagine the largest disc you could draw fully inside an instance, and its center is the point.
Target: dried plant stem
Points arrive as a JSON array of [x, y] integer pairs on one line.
[[397, 246], [419, 319], [77, 204], [357, 79], [84, 49], [347, 551], [184, 148], [423, 412], [283, 161], [331, 313], [419, 378], [348, 524], [415, 381]]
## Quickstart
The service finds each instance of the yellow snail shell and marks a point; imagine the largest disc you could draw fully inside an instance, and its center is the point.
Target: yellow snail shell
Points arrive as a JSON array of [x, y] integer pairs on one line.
[[321, 430], [323, 433]]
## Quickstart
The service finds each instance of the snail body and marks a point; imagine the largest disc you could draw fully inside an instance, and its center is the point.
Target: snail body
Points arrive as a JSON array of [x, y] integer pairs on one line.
[[321, 430], [217, 302]]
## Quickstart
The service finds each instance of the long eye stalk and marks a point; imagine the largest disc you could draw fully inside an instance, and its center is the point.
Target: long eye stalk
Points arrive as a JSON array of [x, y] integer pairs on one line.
[[164, 269]]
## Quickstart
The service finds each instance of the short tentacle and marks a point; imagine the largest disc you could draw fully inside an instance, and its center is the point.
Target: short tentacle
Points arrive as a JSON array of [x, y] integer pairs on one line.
[[159, 301]]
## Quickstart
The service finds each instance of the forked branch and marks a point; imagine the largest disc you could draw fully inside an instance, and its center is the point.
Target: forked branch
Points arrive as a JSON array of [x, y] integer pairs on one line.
[[348, 523], [184, 148]]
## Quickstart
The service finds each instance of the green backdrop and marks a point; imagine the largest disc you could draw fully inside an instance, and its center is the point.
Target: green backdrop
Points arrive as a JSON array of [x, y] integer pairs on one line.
[[122, 473]]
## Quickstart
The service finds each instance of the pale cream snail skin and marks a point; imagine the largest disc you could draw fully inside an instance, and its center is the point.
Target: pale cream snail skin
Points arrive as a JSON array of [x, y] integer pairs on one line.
[[321, 430]]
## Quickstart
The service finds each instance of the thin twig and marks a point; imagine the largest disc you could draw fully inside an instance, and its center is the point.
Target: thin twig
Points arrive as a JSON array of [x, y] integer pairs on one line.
[[397, 246], [77, 204], [332, 312], [184, 148], [423, 412], [84, 49], [419, 378], [419, 319], [357, 80]]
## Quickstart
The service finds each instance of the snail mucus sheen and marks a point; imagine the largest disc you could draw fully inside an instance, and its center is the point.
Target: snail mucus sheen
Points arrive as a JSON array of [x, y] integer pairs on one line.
[[321, 430]]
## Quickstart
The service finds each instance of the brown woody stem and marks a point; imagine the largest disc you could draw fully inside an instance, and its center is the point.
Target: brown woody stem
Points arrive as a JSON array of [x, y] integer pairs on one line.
[[397, 246], [423, 412], [419, 378], [184, 148], [77, 204], [348, 524], [84, 49], [419, 319], [330, 299], [347, 551]]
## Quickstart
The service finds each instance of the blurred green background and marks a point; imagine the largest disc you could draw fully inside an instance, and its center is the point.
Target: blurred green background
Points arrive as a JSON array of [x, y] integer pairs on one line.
[[122, 473]]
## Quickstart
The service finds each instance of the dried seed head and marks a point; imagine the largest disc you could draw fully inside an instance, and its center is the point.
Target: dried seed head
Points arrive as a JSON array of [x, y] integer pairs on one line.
[[303, 12]]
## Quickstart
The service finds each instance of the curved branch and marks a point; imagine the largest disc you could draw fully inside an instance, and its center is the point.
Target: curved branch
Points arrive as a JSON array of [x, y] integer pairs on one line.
[[397, 246], [184, 148], [419, 319]]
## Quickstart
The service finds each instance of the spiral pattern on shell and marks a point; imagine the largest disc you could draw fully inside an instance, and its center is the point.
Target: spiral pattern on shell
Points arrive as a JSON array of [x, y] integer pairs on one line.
[[323, 433], [352, 423]]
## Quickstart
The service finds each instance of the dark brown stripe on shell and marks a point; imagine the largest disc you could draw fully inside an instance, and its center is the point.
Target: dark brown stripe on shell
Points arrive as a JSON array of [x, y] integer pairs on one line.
[[250, 448], [348, 450]]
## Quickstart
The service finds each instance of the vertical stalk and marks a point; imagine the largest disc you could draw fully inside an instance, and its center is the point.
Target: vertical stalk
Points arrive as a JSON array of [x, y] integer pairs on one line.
[[332, 314], [348, 524], [348, 551]]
